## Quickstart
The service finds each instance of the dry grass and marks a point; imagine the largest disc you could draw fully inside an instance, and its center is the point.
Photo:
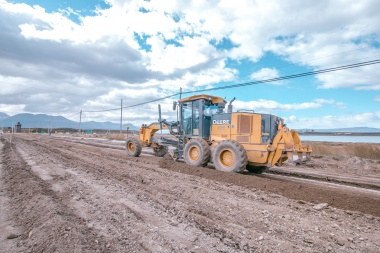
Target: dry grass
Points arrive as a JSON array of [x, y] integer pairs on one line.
[[367, 150], [111, 136], [118, 137]]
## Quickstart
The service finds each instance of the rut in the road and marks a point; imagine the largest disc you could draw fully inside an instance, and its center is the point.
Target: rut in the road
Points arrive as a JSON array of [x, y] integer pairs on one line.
[[123, 203], [47, 224], [316, 194]]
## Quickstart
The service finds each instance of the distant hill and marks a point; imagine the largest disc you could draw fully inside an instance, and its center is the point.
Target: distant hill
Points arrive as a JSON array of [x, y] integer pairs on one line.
[[28, 120], [3, 115], [345, 130]]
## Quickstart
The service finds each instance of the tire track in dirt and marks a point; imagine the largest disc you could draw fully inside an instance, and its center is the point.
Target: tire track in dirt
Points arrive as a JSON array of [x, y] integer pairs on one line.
[[212, 229], [340, 198], [164, 229], [108, 216], [10, 232], [47, 224], [345, 178], [335, 197]]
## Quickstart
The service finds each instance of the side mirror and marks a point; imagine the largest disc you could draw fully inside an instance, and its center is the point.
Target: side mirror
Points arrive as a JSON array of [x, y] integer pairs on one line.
[[174, 105]]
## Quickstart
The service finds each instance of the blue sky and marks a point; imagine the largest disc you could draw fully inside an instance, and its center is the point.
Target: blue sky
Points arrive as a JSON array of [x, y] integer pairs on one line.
[[61, 57]]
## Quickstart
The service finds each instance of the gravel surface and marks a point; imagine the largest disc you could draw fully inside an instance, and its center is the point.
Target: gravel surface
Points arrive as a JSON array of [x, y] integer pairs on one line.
[[59, 196]]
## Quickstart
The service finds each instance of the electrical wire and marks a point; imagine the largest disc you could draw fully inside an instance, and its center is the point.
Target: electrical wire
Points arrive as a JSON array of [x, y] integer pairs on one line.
[[321, 71], [326, 56], [355, 65], [287, 66], [72, 115]]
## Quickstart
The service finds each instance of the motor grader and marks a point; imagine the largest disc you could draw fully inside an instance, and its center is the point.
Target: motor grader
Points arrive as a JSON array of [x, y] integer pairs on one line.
[[232, 141]]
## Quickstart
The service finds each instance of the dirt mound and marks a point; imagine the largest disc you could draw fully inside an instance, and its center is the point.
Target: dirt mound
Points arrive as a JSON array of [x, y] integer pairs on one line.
[[294, 190]]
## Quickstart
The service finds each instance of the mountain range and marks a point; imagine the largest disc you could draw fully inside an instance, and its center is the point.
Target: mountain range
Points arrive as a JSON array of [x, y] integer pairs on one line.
[[344, 130], [28, 120]]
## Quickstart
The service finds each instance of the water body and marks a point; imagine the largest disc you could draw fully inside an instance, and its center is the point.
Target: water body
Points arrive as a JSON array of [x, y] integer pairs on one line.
[[341, 138]]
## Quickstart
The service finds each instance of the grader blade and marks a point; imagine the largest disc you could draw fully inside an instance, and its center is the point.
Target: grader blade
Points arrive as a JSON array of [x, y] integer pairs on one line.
[[285, 144]]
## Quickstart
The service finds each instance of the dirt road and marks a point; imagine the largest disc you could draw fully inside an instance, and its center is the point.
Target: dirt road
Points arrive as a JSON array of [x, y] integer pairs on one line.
[[59, 196]]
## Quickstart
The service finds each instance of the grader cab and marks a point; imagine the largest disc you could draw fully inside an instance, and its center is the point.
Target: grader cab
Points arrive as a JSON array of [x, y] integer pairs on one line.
[[232, 141]]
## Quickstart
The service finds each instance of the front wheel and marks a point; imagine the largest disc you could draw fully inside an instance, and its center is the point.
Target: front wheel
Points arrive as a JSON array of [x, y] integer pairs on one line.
[[230, 156], [197, 152], [133, 146]]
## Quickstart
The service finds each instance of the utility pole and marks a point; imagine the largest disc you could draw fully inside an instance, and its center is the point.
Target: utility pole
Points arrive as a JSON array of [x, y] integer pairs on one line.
[[80, 120], [121, 115], [11, 135], [180, 92]]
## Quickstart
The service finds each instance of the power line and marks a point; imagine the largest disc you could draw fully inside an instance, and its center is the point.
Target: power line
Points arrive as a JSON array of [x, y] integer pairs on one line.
[[72, 115], [327, 56], [356, 65], [286, 66], [321, 71]]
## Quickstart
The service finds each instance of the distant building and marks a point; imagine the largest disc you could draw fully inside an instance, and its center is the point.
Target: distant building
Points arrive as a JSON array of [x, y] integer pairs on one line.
[[18, 127]]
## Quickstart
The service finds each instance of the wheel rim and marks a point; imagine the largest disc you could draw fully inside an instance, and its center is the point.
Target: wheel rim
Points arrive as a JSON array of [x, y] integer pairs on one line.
[[131, 147], [227, 158], [194, 153]]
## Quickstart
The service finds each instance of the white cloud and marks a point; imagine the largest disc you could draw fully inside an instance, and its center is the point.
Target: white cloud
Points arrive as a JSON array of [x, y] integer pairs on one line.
[[120, 51], [11, 109], [270, 106], [266, 74], [319, 52], [368, 119], [170, 58], [377, 98], [324, 101]]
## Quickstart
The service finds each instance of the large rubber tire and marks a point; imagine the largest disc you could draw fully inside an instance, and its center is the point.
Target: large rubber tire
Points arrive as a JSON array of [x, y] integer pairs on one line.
[[256, 169], [133, 146], [230, 156], [197, 152], [160, 151]]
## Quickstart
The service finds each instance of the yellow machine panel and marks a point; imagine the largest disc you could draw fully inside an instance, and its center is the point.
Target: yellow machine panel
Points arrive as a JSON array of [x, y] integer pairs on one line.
[[245, 128]]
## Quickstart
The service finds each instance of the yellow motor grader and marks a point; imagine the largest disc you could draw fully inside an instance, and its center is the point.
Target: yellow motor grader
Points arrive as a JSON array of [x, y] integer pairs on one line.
[[232, 141]]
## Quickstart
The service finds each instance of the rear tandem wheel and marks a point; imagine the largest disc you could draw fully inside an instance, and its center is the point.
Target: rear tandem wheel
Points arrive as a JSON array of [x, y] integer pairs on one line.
[[230, 156]]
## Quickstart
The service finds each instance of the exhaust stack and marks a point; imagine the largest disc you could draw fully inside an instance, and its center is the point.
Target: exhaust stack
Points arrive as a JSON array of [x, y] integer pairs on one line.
[[229, 108]]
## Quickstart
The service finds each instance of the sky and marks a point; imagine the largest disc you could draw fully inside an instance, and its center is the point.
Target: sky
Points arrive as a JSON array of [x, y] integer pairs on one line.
[[61, 57]]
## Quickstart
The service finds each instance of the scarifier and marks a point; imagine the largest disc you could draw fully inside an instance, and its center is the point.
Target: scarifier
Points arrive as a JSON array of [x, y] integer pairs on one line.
[[232, 141]]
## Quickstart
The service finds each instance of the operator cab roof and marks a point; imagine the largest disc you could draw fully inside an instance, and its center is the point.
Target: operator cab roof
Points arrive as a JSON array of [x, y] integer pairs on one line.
[[213, 99]]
